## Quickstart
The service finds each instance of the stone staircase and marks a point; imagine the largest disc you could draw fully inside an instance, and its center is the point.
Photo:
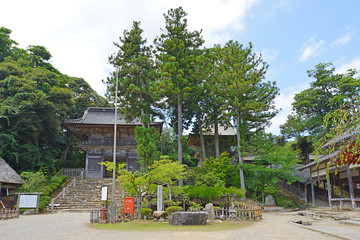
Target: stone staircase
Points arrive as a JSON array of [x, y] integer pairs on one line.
[[86, 195]]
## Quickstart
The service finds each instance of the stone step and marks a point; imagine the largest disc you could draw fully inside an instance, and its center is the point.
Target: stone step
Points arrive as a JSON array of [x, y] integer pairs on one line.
[[87, 195]]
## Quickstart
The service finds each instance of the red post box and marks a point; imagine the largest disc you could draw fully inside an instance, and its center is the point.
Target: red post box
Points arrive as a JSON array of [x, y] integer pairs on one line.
[[129, 206]]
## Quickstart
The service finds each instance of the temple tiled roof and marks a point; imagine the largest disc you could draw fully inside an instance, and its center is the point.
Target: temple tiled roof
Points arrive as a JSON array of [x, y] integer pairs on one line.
[[8, 175], [342, 138], [322, 158], [103, 116]]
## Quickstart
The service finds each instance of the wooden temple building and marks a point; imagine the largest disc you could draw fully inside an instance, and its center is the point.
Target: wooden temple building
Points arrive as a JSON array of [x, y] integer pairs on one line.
[[227, 140], [342, 188], [10, 181], [95, 130]]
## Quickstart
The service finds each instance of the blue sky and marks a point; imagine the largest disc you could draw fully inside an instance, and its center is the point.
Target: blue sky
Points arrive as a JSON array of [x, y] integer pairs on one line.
[[292, 35]]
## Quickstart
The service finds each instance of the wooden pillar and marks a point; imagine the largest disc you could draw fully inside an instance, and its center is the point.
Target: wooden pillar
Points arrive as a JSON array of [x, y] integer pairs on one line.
[[305, 192], [351, 189], [312, 192], [329, 190], [340, 185], [86, 165]]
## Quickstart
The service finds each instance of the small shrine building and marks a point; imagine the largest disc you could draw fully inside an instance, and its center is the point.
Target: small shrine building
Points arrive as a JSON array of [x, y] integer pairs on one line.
[[95, 130]]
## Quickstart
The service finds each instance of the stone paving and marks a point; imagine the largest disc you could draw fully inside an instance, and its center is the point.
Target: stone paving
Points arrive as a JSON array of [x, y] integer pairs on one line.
[[68, 225]]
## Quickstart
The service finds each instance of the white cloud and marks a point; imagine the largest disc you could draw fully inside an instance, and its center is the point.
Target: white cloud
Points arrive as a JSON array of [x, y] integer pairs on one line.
[[353, 64], [80, 33], [310, 49], [283, 102], [269, 56], [343, 40]]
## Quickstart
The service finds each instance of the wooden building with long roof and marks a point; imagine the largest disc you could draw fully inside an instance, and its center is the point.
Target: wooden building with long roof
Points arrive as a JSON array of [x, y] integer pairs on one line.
[[95, 129], [343, 167], [9, 183]]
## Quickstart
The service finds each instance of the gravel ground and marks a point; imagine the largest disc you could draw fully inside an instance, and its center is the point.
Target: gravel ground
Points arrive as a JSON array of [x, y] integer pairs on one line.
[[69, 225]]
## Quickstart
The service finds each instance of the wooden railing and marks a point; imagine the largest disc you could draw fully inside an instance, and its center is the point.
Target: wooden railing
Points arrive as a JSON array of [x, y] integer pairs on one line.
[[96, 215], [108, 142], [70, 172], [78, 177], [7, 213]]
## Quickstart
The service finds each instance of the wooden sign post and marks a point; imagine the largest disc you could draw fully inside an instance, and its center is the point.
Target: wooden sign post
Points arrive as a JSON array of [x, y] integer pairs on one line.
[[28, 200], [129, 206]]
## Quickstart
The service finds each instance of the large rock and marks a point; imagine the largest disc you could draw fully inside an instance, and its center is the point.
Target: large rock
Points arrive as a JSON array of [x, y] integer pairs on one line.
[[159, 214], [188, 218], [269, 200], [209, 208]]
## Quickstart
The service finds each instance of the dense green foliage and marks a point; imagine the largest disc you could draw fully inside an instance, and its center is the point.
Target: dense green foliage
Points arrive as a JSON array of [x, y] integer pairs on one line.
[[146, 146], [34, 100], [274, 164], [39, 182], [177, 49], [328, 92], [137, 76]]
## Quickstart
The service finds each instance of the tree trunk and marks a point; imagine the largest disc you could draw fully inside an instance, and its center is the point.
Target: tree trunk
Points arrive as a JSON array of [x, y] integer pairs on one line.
[[139, 204], [179, 103], [142, 113], [66, 150], [168, 185], [216, 132], [242, 182], [202, 144]]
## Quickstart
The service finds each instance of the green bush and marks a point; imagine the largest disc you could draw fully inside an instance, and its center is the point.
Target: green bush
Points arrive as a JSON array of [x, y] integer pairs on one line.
[[46, 191], [53, 186], [44, 200], [168, 203], [146, 212], [239, 204], [56, 180], [63, 178], [285, 202], [172, 209]]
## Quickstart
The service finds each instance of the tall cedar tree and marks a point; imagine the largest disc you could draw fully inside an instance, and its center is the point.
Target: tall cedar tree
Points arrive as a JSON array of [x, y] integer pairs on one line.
[[136, 75], [249, 100], [215, 106], [177, 49]]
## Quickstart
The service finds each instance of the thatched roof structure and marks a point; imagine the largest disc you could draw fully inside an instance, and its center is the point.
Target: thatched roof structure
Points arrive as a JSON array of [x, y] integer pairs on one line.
[[8, 175]]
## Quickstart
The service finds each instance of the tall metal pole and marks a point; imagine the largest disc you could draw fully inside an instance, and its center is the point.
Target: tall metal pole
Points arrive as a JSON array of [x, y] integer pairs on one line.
[[112, 215]]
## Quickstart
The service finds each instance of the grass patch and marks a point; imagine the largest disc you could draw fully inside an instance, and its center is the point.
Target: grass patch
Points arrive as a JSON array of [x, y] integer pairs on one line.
[[151, 226]]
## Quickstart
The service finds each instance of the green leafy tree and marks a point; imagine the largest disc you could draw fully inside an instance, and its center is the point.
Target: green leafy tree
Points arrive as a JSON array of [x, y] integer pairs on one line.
[[177, 49], [33, 181], [160, 172], [137, 75], [249, 100], [34, 100], [274, 164], [6, 43], [146, 148], [328, 92]]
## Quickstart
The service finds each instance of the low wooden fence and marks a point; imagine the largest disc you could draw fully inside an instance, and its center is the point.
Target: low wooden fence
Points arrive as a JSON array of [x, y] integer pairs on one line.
[[7, 213], [97, 214], [244, 212]]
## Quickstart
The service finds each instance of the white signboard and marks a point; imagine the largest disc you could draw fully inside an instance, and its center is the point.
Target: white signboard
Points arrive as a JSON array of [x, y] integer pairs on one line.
[[104, 193], [28, 201]]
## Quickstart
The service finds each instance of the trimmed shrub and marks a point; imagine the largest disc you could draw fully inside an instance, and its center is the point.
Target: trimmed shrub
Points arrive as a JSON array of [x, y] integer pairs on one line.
[[146, 212], [172, 209], [168, 203]]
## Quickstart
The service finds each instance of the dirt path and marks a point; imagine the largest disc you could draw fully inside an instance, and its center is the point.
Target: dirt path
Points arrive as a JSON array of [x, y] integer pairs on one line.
[[77, 226]]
